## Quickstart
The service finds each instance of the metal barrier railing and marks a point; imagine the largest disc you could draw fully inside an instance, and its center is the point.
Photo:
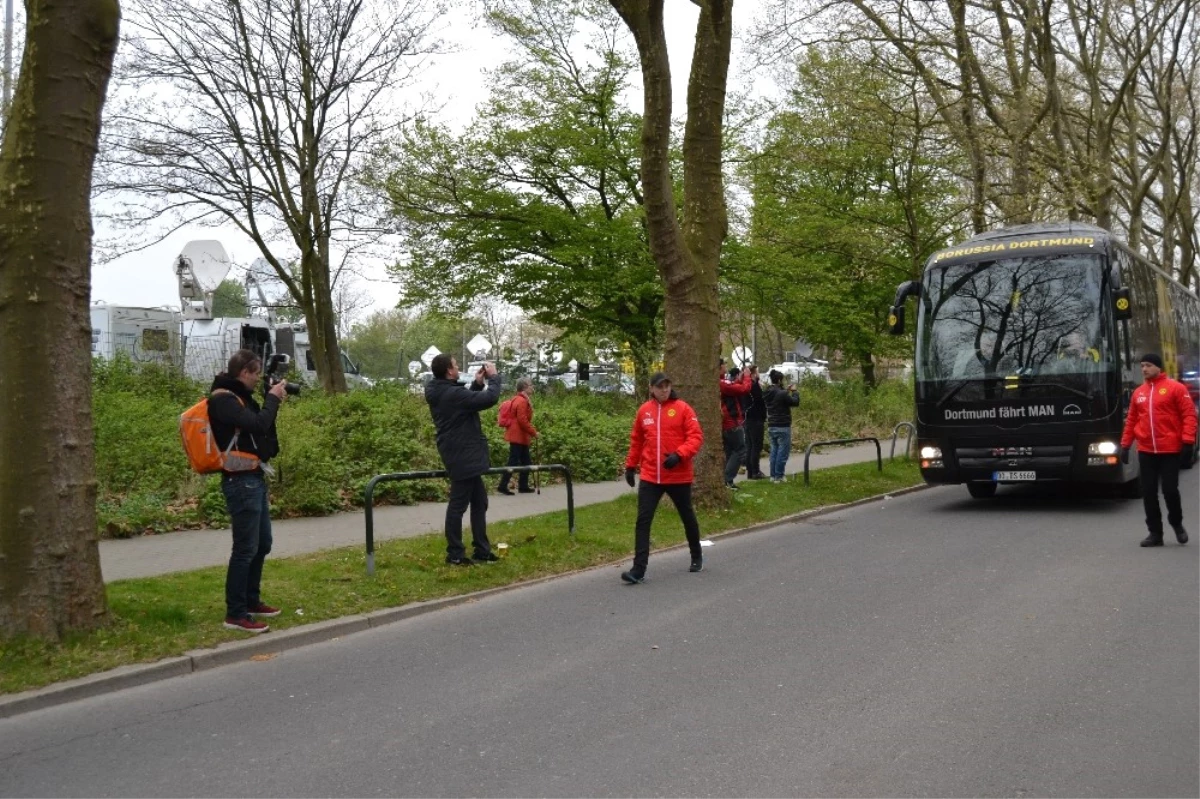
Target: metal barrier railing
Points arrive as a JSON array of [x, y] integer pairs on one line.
[[369, 495], [909, 443], [808, 451]]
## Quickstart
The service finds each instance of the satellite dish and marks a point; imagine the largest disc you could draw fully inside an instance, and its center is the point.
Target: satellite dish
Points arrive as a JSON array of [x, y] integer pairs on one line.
[[803, 348], [209, 263], [741, 356], [200, 268]]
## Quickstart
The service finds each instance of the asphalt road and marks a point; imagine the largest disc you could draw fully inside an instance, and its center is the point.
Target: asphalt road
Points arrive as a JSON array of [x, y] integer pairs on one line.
[[926, 645]]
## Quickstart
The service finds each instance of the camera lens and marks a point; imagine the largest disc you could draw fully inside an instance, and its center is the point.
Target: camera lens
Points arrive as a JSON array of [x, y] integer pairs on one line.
[[292, 388]]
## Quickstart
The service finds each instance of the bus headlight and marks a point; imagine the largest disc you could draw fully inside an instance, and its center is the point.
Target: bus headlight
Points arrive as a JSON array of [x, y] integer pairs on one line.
[[931, 457], [1102, 448]]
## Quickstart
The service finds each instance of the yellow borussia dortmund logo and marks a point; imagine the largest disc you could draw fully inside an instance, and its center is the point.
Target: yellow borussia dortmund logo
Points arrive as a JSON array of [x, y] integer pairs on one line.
[[1162, 390], [892, 320], [671, 412], [1122, 304]]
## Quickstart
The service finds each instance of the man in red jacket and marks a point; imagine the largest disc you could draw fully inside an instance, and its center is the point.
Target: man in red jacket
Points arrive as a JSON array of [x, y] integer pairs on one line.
[[666, 436], [735, 387], [1162, 419]]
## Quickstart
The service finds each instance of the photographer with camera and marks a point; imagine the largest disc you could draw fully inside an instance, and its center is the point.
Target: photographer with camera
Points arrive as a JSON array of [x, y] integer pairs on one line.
[[779, 402], [734, 388], [240, 425], [464, 449]]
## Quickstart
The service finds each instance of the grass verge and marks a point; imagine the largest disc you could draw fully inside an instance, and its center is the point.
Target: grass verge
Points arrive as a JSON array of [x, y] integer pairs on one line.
[[159, 617]]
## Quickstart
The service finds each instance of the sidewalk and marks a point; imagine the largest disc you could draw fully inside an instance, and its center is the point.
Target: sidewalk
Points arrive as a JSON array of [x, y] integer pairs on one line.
[[146, 556]]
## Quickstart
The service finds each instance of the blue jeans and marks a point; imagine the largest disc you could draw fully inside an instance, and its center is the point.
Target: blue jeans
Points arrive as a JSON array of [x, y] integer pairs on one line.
[[781, 447], [250, 514]]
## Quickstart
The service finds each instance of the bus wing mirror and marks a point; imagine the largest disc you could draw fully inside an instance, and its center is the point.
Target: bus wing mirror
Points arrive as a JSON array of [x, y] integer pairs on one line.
[[909, 288], [1122, 307]]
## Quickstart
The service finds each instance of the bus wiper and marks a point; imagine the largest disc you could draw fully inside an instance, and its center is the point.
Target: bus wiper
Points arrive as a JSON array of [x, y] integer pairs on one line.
[[949, 395]]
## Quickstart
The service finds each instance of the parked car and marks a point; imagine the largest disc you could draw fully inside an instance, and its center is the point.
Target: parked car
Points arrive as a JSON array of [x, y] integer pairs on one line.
[[796, 367]]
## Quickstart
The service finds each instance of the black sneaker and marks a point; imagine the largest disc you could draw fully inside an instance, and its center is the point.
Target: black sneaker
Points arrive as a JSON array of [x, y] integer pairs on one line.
[[1151, 541], [1180, 533], [633, 579], [697, 564], [463, 561], [524, 490], [488, 558], [504, 491], [732, 487]]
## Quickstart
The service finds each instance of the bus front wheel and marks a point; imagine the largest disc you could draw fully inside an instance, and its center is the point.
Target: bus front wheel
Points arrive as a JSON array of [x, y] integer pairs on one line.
[[982, 489]]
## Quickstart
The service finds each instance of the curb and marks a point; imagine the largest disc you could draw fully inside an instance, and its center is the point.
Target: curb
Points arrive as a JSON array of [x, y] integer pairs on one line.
[[293, 638]]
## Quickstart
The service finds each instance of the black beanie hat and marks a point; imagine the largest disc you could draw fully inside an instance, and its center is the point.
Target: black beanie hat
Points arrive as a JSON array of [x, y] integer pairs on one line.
[[1152, 357]]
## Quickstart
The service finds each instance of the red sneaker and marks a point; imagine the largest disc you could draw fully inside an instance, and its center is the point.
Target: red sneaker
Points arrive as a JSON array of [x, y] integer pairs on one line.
[[246, 625], [263, 610]]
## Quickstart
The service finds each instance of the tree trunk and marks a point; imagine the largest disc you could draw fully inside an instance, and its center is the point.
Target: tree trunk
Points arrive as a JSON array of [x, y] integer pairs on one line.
[[50, 579], [687, 254]]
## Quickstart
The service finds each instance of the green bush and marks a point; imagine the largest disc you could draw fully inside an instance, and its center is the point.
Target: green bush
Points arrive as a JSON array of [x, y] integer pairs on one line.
[[333, 445], [847, 410]]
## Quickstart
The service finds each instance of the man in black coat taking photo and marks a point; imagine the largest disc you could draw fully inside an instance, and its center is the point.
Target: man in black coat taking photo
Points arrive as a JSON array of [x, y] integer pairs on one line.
[[464, 450]]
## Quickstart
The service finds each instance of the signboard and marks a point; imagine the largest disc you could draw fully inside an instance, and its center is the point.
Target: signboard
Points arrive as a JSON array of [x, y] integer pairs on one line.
[[479, 346], [428, 355], [414, 368]]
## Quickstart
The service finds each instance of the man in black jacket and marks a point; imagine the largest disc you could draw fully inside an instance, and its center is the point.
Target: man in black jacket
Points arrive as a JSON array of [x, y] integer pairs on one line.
[[756, 421], [464, 450], [233, 411], [779, 403]]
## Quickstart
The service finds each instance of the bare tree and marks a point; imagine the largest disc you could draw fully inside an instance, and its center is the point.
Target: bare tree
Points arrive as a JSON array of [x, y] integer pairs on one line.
[[1083, 109], [686, 248], [50, 579], [262, 112]]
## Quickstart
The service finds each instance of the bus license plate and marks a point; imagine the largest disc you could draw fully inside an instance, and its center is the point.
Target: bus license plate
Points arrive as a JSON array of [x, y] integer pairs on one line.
[[1001, 477]]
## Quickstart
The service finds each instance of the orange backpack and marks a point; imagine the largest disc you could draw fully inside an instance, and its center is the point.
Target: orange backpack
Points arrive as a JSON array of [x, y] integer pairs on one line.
[[507, 415], [195, 430]]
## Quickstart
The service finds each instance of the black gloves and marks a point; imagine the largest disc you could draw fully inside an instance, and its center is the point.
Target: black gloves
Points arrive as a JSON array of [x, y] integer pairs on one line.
[[629, 476], [1186, 455], [671, 461], [1124, 454]]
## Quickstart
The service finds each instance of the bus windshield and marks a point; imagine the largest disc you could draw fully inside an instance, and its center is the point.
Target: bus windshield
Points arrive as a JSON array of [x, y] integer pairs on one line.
[[1039, 319]]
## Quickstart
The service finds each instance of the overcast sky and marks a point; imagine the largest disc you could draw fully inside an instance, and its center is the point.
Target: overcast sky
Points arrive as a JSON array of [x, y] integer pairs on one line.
[[147, 279]]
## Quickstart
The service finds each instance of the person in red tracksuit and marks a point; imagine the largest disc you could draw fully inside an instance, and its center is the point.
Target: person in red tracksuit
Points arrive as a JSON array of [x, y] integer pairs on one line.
[[666, 436], [734, 389], [1162, 419]]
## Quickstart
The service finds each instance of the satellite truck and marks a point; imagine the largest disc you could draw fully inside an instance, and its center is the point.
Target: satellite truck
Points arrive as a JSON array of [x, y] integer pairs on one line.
[[144, 335], [209, 343]]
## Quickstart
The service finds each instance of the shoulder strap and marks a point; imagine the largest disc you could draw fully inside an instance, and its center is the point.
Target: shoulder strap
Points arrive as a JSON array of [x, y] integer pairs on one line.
[[237, 431]]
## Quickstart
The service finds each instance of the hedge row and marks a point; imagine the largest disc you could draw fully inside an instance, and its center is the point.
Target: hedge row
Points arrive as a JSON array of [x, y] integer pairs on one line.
[[333, 445]]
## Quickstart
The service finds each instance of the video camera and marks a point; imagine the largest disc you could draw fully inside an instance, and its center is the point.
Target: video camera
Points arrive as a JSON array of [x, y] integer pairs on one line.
[[274, 374]]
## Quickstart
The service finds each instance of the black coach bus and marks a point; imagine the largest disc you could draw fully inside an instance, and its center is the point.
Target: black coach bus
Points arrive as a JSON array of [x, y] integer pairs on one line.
[[1027, 349]]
